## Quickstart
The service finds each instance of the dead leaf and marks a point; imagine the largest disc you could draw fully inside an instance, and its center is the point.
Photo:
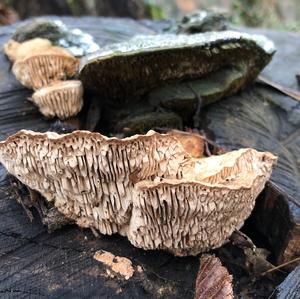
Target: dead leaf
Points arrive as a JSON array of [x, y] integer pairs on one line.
[[117, 264], [191, 142], [213, 280], [241, 240]]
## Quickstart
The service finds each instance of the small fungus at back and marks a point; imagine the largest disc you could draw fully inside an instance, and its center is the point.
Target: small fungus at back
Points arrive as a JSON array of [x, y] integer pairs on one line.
[[62, 99]]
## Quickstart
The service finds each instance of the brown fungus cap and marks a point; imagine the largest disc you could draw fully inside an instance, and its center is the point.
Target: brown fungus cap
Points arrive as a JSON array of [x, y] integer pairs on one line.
[[44, 67], [146, 187], [201, 209], [88, 176], [16, 51], [62, 99]]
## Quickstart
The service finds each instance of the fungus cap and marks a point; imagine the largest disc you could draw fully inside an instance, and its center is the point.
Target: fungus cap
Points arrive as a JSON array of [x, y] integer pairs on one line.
[[15, 50], [201, 209], [89, 177], [62, 99], [44, 67], [146, 187]]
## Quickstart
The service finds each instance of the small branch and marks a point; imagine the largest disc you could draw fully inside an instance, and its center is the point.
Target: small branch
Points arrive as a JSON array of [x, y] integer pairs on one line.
[[294, 94], [280, 266]]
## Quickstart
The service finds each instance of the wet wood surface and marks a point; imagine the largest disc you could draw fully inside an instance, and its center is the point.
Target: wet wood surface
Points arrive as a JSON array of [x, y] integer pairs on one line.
[[290, 288], [35, 264]]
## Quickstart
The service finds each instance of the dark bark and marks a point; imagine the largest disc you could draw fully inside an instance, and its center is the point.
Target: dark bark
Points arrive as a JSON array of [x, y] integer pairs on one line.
[[290, 288]]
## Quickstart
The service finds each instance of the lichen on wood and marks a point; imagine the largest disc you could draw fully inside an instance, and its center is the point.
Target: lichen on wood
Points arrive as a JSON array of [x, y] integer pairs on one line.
[[61, 98], [39, 65]]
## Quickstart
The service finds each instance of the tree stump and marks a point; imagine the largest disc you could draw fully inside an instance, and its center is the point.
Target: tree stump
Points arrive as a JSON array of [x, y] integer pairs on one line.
[[36, 264]]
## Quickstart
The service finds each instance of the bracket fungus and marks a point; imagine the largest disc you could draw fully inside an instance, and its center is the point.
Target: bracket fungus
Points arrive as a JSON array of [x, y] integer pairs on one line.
[[15, 50], [41, 66], [79, 43], [44, 67], [145, 62], [145, 187], [62, 99]]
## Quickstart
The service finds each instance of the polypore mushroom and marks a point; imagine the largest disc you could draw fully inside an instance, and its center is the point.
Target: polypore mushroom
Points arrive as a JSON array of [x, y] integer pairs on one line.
[[15, 50], [199, 210], [87, 176], [146, 187], [79, 43], [44, 67], [62, 99], [145, 62]]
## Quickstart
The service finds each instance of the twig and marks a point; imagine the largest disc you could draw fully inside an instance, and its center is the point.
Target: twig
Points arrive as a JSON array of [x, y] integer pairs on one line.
[[288, 91], [281, 266]]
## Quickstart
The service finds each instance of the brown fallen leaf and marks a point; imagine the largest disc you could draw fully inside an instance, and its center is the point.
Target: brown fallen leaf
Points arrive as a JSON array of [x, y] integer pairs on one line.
[[192, 143], [285, 90], [213, 280], [117, 264]]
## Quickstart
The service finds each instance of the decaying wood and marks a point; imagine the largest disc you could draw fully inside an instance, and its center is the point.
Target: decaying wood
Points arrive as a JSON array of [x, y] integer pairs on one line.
[[213, 280], [36, 264], [290, 288]]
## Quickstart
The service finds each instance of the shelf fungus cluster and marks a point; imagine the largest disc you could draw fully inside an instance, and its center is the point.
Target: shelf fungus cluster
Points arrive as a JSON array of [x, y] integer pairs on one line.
[[163, 80], [146, 62], [146, 187], [45, 68]]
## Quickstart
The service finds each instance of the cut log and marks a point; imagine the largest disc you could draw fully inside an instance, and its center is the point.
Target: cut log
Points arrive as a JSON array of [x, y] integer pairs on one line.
[[290, 288], [35, 264]]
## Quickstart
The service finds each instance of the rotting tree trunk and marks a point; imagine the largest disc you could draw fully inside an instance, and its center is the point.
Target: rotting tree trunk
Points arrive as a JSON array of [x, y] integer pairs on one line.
[[34, 263]]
